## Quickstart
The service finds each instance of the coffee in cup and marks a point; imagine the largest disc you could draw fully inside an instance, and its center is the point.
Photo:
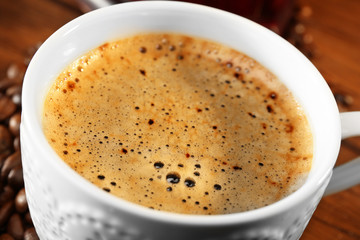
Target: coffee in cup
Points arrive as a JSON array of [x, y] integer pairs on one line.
[[179, 123]]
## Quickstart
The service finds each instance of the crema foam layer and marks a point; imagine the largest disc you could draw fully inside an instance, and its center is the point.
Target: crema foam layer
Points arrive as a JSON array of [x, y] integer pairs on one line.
[[180, 124]]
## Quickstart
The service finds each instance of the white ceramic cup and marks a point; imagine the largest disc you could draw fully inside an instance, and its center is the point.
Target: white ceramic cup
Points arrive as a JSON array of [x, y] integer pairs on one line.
[[64, 205]]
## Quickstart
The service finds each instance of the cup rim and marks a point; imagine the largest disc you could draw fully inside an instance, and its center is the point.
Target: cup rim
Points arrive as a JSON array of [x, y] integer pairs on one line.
[[31, 127]]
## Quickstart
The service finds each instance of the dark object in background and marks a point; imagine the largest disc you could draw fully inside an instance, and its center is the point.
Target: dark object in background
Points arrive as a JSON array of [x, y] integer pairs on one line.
[[284, 17], [273, 14]]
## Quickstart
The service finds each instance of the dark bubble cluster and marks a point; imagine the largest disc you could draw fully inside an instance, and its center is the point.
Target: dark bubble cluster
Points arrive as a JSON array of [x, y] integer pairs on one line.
[[178, 124]]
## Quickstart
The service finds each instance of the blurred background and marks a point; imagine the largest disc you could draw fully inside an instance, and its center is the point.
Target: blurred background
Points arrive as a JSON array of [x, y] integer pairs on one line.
[[327, 32]]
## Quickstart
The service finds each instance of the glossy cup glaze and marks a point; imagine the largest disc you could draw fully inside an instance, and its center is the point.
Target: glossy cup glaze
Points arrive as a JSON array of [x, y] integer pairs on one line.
[[64, 205]]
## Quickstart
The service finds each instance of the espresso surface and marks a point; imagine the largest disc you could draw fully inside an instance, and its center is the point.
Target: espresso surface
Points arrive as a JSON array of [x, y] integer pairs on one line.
[[179, 124]]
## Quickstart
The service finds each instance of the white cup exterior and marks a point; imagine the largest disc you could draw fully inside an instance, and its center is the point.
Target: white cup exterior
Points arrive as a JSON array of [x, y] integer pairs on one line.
[[63, 205]]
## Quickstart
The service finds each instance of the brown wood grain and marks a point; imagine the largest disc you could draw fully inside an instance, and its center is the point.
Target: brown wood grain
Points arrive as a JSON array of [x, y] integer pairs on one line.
[[333, 27]]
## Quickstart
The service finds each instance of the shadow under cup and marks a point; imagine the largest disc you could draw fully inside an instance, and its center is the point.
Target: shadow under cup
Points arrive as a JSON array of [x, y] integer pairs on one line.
[[63, 205]]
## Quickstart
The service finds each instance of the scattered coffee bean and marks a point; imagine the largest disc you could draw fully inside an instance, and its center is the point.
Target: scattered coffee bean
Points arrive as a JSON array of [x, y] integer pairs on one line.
[[5, 212], [15, 219], [20, 202], [343, 99], [6, 195], [14, 124], [7, 107], [30, 234], [13, 90], [15, 227], [15, 177], [14, 76], [12, 161], [5, 83], [16, 143], [13, 71], [28, 219], [5, 139], [16, 98], [6, 236]]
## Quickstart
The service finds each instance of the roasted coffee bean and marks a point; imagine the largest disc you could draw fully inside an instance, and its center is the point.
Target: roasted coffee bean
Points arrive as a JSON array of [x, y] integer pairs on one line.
[[11, 91], [14, 214], [14, 92], [13, 72], [7, 107], [6, 195], [5, 139], [344, 99], [3, 157], [30, 234], [15, 227], [16, 143], [6, 83], [14, 76], [15, 177], [5, 212], [21, 205], [12, 161], [16, 98], [6, 236], [14, 124], [28, 219]]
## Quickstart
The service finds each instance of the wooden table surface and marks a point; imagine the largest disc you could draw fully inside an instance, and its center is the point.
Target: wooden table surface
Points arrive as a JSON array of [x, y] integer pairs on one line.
[[331, 27]]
